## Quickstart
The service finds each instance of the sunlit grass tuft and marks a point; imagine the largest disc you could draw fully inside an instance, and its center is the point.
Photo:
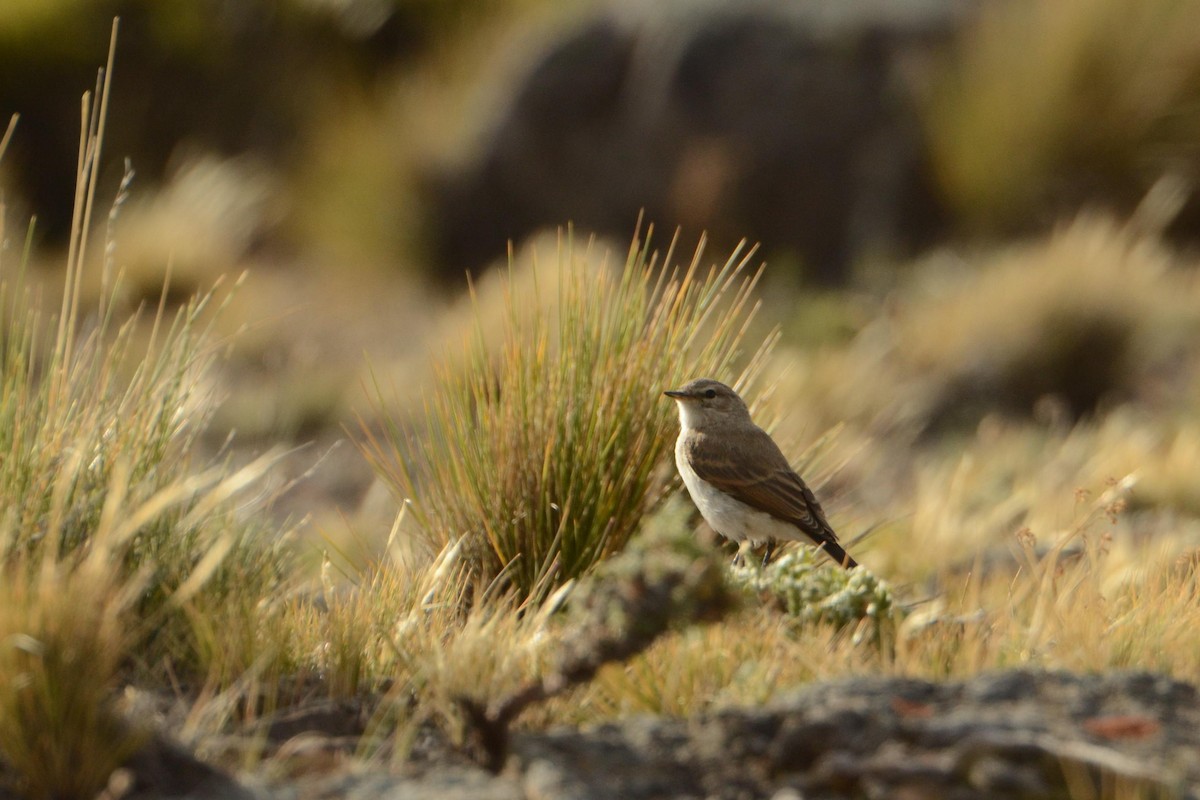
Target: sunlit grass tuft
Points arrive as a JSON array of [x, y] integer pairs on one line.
[[1091, 316], [545, 457], [111, 539], [66, 631]]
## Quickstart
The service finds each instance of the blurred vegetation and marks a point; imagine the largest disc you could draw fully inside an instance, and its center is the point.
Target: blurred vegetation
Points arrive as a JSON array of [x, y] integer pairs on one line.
[[341, 117], [66, 628], [188, 27], [1017, 422], [1047, 107], [1053, 330], [275, 86]]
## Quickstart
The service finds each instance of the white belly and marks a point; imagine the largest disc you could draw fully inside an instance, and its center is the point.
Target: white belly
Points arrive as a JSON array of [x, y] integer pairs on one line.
[[731, 518]]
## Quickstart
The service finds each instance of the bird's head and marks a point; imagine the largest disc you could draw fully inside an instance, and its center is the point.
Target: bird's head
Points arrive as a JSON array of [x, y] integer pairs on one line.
[[705, 401]]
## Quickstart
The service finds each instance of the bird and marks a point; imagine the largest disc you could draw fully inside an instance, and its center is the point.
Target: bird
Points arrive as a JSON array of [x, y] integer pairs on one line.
[[739, 478]]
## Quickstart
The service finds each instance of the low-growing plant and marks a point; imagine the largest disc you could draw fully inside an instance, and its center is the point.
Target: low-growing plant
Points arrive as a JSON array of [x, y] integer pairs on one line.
[[811, 589], [546, 456]]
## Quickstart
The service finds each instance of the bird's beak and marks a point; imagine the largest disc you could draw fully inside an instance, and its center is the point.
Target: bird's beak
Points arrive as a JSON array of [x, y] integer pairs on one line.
[[676, 394]]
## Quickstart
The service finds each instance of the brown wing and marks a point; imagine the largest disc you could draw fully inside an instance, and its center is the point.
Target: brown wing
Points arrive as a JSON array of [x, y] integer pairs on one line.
[[750, 468]]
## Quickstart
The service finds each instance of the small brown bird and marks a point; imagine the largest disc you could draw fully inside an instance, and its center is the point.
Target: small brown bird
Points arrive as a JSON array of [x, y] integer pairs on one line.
[[739, 479]]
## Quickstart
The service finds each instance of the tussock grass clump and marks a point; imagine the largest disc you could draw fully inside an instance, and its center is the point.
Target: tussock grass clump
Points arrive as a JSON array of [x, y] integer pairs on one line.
[[111, 538], [1056, 329], [70, 422], [65, 630], [1096, 313], [100, 427], [546, 456]]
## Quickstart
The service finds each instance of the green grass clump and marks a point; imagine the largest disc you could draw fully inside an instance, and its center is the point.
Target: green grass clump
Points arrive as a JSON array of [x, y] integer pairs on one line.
[[99, 428], [546, 456]]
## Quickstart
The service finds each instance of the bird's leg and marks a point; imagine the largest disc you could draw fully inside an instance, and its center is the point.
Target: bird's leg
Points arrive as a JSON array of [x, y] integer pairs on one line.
[[739, 557], [769, 553]]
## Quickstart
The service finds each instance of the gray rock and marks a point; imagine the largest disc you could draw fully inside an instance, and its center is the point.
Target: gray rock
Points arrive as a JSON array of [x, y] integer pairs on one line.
[[1022, 734], [439, 784], [1006, 735]]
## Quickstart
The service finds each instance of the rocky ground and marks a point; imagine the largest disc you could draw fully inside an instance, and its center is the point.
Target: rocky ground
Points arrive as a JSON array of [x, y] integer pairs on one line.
[[1020, 734]]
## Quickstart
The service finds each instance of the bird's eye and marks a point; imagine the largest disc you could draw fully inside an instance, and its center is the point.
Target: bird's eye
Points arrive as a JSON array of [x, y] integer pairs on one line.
[[710, 394]]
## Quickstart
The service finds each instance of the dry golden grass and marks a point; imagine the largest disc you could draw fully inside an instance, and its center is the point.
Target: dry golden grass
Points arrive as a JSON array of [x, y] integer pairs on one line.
[[1019, 430], [111, 534], [66, 629]]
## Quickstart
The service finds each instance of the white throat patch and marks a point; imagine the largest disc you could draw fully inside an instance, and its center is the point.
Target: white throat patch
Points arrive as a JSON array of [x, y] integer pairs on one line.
[[689, 415]]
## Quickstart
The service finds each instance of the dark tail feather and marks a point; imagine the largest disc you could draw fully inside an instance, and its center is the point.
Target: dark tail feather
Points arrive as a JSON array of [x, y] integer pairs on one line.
[[839, 555]]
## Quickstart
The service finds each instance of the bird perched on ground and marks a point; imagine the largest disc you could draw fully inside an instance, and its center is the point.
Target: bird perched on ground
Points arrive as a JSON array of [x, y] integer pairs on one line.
[[739, 479]]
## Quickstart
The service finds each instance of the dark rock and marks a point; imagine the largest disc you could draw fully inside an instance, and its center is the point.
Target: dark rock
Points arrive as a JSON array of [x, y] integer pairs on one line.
[[791, 124], [585, 761], [997, 736], [331, 718], [215, 76], [1022, 734], [162, 769]]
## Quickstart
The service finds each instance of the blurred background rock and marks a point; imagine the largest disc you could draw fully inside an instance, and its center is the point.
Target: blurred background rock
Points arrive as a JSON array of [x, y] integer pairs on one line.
[[362, 156], [428, 134]]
